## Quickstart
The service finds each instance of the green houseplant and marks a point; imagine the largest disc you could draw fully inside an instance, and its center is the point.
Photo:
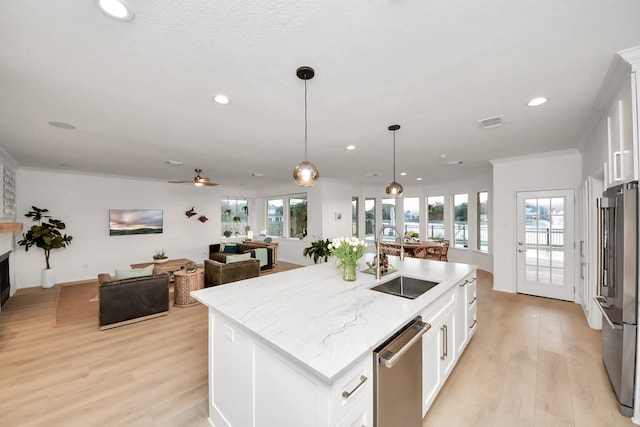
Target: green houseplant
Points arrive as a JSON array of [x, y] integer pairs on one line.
[[160, 256], [318, 249], [46, 235]]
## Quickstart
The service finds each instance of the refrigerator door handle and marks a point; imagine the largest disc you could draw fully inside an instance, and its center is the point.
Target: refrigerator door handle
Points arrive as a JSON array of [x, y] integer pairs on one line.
[[612, 325]]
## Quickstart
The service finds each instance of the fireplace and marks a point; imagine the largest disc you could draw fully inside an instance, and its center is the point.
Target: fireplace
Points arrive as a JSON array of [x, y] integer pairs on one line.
[[5, 282]]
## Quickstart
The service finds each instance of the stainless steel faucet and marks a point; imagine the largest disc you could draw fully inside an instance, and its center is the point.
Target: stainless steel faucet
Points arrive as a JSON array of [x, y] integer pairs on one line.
[[384, 227]]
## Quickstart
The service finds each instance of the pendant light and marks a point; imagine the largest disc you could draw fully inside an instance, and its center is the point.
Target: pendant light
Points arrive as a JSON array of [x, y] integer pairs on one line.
[[305, 174], [394, 188]]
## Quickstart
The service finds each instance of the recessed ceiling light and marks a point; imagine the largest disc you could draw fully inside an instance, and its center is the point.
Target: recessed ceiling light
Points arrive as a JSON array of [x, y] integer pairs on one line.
[[257, 174], [175, 162], [115, 9], [443, 156], [351, 147], [222, 99], [403, 174], [62, 125], [537, 101], [418, 179]]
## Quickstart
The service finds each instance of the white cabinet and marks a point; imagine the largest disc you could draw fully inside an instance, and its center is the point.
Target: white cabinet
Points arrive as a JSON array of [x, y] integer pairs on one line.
[[253, 385], [465, 312], [619, 96], [438, 346], [453, 322]]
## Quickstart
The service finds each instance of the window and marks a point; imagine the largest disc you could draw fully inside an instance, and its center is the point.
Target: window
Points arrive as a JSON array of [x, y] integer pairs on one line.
[[370, 218], [298, 217], [275, 216], [234, 216], [354, 216], [435, 218], [483, 222], [460, 222], [412, 214], [389, 218]]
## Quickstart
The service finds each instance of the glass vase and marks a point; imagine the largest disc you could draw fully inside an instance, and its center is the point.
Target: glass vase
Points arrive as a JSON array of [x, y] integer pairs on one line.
[[349, 272]]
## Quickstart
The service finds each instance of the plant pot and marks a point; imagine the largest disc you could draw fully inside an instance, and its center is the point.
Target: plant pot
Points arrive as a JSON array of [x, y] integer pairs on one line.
[[160, 261], [48, 278]]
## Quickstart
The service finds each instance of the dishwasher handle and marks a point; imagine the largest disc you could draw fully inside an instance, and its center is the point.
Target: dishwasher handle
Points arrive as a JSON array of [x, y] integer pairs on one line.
[[416, 331]]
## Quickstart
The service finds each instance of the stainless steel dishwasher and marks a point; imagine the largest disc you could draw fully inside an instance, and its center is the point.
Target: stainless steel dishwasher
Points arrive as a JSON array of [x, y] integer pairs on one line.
[[397, 377]]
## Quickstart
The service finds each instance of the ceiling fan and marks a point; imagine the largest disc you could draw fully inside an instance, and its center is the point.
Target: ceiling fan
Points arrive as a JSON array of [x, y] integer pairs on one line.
[[199, 181]]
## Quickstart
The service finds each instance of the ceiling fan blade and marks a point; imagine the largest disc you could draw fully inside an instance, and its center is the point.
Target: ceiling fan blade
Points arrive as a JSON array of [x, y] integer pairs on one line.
[[180, 182]]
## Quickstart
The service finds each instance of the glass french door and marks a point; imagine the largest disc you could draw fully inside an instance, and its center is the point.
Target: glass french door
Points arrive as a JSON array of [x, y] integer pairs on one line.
[[545, 246]]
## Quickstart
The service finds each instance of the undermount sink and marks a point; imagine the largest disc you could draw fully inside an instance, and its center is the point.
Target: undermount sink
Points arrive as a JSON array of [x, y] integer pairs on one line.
[[406, 287]]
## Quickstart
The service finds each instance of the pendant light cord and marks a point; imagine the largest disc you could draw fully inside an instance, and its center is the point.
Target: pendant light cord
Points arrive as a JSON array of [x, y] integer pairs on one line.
[[305, 120], [394, 156]]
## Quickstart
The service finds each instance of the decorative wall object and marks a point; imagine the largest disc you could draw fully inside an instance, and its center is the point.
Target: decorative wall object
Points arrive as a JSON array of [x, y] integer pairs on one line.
[[203, 219], [124, 222], [190, 212], [8, 193]]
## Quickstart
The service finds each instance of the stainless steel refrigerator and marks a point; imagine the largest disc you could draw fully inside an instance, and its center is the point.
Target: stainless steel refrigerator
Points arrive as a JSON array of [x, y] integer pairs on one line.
[[619, 289]]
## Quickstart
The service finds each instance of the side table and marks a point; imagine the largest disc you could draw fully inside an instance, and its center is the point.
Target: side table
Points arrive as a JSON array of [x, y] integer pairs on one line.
[[184, 284]]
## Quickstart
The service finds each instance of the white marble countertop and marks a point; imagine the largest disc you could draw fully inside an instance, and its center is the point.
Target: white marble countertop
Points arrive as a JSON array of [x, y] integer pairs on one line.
[[320, 321]]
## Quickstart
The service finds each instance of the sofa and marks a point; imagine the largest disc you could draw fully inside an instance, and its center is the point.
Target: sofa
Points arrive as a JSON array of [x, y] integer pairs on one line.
[[218, 273], [220, 253], [132, 300]]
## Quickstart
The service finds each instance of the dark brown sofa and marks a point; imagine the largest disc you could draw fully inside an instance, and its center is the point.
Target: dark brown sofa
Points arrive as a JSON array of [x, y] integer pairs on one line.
[[218, 273], [216, 255], [132, 300]]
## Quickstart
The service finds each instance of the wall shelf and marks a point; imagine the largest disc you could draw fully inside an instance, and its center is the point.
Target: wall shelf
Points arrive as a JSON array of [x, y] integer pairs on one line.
[[9, 227]]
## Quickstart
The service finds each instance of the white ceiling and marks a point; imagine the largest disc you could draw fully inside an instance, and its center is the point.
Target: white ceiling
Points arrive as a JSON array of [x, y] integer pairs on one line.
[[140, 92]]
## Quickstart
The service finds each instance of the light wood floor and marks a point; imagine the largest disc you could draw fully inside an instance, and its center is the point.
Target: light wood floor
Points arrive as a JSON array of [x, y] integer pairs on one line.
[[532, 362]]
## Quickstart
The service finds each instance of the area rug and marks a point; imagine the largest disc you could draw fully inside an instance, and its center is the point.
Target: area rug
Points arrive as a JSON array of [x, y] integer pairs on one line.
[[76, 303]]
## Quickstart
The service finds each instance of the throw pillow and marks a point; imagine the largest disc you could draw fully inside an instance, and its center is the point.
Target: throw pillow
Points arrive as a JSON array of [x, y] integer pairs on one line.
[[238, 258], [134, 272], [230, 249]]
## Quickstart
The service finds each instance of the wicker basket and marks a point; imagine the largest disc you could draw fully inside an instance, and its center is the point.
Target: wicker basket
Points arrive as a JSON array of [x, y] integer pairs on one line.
[[184, 284]]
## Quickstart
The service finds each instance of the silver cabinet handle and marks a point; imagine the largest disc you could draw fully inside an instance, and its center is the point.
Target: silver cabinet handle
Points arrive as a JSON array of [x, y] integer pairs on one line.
[[445, 343], [417, 329], [472, 301], [473, 324], [347, 394], [463, 283]]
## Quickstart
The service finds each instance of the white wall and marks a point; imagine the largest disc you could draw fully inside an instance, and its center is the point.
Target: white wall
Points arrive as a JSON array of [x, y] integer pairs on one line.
[[83, 203], [546, 171]]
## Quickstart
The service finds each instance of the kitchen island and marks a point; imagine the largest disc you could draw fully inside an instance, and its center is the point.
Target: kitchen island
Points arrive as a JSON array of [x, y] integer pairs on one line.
[[295, 348]]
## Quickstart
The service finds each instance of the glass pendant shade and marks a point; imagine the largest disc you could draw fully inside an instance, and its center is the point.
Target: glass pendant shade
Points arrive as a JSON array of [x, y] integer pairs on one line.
[[394, 189], [306, 174]]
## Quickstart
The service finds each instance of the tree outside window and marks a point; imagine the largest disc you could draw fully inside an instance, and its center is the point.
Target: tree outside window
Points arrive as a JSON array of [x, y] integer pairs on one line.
[[298, 217], [483, 221], [461, 223], [412, 214], [354, 216], [275, 217], [435, 217], [369, 218]]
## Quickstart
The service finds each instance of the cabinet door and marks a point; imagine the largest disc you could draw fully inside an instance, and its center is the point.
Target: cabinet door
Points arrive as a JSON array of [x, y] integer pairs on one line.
[[461, 317], [431, 373], [448, 354], [621, 161]]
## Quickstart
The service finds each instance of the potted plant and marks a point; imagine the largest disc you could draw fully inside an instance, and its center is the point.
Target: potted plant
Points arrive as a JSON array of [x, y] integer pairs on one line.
[[160, 256], [318, 249], [45, 235], [191, 267], [227, 233]]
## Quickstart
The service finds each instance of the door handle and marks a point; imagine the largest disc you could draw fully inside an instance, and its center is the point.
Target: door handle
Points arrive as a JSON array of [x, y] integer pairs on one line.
[[605, 315], [521, 250]]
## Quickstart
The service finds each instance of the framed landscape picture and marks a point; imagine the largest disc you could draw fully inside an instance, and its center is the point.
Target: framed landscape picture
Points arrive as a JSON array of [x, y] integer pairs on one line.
[[124, 222]]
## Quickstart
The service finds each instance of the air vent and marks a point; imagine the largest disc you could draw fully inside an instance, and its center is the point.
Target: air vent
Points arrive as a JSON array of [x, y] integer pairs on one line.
[[491, 122]]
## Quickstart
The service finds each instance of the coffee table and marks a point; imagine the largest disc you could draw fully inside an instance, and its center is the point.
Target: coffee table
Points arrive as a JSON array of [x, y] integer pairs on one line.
[[170, 266]]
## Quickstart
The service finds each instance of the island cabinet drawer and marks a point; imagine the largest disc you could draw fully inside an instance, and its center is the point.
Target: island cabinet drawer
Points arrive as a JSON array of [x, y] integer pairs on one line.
[[352, 388], [472, 324]]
